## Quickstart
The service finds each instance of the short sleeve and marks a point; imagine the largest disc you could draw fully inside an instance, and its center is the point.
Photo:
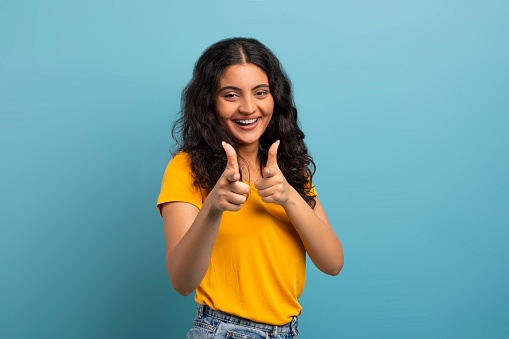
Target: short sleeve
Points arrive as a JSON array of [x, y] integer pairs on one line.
[[312, 191], [178, 183]]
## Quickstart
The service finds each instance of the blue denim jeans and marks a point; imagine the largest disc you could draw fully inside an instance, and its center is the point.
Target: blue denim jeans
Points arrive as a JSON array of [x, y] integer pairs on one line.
[[210, 324]]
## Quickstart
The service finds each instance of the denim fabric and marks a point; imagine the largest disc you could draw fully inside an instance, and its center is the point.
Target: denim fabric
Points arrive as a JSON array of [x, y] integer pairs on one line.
[[212, 324]]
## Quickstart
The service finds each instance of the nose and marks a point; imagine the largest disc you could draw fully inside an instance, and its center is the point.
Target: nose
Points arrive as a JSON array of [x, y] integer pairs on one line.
[[247, 106]]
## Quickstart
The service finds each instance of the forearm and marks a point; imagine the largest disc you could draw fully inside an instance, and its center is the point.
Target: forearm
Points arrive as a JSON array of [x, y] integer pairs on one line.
[[318, 237], [190, 259]]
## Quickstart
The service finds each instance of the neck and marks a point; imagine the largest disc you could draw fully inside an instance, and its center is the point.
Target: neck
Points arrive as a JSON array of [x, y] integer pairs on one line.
[[250, 166], [249, 153]]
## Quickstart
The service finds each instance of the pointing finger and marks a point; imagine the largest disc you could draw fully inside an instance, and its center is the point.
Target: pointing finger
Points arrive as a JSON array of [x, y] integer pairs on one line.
[[231, 175], [241, 188], [270, 171]]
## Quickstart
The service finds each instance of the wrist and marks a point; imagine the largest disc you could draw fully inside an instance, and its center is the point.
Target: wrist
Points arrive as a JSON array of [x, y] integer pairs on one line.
[[293, 195], [210, 208]]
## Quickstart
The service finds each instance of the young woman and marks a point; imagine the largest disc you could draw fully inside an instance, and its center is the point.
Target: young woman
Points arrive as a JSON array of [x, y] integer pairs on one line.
[[237, 201]]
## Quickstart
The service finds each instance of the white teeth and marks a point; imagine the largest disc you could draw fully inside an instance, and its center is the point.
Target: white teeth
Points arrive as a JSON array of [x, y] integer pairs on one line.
[[246, 122]]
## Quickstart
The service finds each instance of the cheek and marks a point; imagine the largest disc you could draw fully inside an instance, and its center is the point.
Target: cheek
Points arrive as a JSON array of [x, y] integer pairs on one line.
[[220, 115], [270, 105], [269, 108], [223, 111], [221, 120]]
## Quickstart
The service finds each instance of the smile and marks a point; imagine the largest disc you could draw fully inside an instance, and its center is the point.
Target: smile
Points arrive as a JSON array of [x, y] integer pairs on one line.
[[246, 122]]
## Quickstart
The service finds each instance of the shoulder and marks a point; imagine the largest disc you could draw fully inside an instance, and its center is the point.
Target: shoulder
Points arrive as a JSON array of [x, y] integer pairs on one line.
[[179, 168], [181, 162], [178, 183], [181, 159]]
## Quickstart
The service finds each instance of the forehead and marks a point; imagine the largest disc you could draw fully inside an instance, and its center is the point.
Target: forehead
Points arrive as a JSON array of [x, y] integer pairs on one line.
[[243, 76]]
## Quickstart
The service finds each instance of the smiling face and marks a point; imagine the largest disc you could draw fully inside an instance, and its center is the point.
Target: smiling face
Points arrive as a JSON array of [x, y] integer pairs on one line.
[[244, 103]]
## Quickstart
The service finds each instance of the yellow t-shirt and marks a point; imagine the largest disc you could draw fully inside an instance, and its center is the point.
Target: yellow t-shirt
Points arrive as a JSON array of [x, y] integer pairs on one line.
[[258, 264]]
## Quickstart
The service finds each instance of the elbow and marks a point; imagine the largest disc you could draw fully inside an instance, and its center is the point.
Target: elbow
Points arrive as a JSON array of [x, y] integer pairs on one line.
[[335, 268], [181, 290], [178, 284], [180, 287], [332, 269], [331, 264], [338, 264]]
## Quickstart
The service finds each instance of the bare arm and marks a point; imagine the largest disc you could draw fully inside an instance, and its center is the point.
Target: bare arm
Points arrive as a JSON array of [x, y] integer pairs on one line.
[[190, 232], [315, 231], [189, 237]]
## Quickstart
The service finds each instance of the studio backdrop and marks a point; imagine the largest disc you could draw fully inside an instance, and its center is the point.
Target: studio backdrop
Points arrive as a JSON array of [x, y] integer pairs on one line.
[[405, 108]]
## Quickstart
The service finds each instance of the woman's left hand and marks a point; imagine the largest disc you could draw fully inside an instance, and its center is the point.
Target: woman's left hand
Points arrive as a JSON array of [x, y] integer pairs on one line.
[[273, 187], [315, 231]]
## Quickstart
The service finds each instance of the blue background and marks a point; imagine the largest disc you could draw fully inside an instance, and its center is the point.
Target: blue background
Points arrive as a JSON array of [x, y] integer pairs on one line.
[[405, 108]]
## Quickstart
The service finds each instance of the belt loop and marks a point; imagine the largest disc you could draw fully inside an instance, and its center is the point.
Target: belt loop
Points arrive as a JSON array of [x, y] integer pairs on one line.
[[274, 331], [293, 327], [199, 312]]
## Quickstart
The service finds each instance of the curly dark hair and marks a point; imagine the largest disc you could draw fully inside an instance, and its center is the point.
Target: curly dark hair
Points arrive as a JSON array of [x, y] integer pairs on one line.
[[199, 133]]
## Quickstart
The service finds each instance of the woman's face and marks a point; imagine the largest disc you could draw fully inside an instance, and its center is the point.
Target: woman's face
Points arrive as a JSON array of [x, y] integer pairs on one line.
[[244, 104]]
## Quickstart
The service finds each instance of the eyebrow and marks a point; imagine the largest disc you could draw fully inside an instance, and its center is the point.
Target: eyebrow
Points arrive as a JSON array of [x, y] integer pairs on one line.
[[238, 89]]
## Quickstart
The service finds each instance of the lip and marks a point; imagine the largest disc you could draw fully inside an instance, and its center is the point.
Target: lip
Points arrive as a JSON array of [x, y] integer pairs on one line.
[[247, 127]]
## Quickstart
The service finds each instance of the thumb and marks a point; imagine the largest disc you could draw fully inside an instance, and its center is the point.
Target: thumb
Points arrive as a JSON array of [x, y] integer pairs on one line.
[[272, 157], [270, 168], [232, 167]]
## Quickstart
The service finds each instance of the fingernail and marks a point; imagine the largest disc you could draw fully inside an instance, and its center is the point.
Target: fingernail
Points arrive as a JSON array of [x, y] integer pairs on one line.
[[268, 171], [278, 142], [222, 143]]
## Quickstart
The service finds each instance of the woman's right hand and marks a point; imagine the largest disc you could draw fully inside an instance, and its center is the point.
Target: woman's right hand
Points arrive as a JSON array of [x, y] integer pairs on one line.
[[228, 193], [190, 232]]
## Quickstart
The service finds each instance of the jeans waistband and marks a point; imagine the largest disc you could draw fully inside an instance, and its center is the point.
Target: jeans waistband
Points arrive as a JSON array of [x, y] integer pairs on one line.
[[291, 327]]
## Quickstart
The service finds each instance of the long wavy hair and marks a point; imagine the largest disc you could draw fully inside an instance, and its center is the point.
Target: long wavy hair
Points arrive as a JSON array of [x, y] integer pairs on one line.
[[199, 133]]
